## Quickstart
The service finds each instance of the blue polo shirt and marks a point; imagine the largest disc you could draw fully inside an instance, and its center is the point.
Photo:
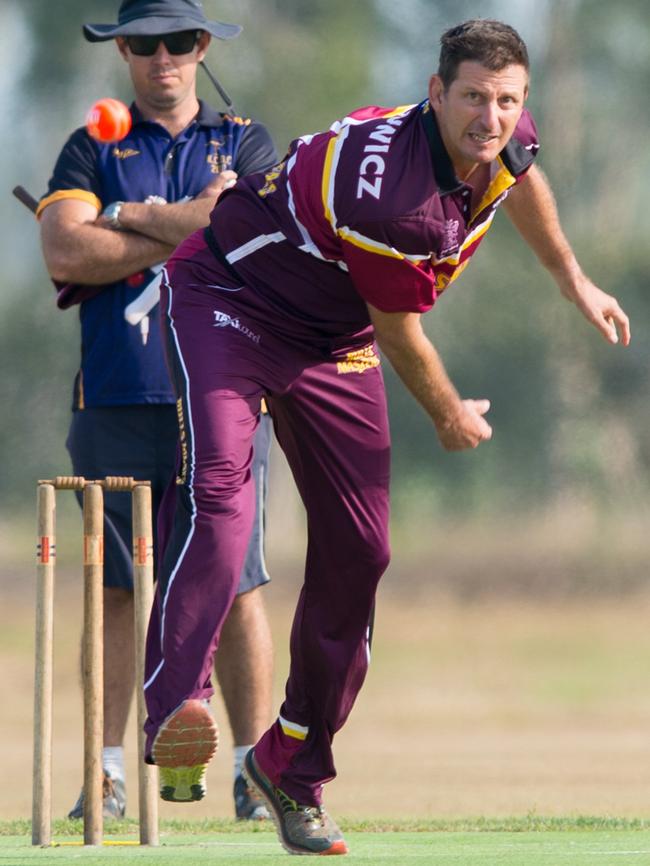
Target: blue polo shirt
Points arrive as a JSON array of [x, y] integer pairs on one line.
[[118, 367]]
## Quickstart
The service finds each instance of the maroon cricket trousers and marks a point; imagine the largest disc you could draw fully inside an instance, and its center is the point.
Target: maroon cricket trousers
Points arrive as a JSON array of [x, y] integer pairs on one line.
[[226, 352]]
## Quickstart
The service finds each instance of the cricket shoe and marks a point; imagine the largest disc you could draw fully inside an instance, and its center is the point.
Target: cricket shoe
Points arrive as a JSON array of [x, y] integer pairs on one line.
[[114, 800], [301, 829], [248, 805], [184, 745]]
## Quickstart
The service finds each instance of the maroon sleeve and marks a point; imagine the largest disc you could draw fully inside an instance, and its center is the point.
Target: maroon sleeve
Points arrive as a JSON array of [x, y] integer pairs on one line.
[[390, 283], [390, 262]]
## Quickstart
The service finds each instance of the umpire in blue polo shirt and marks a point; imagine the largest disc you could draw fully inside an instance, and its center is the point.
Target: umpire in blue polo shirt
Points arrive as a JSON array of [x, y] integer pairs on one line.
[[112, 215]]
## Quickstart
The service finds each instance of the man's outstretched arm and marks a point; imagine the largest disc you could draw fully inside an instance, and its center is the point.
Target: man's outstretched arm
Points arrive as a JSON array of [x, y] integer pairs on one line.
[[459, 423], [531, 207]]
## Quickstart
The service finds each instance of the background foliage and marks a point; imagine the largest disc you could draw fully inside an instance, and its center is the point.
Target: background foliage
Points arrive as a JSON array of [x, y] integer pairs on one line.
[[570, 414]]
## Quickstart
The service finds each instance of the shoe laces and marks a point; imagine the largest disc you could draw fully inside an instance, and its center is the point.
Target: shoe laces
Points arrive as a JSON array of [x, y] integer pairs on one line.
[[314, 814], [286, 802]]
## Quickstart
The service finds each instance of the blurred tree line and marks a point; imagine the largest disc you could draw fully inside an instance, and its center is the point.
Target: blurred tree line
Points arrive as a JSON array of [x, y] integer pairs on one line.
[[570, 413]]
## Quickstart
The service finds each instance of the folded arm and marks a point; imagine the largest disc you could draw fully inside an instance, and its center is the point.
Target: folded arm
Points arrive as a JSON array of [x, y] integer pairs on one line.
[[78, 248], [459, 423], [81, 247], [172, 223], [531, 207]]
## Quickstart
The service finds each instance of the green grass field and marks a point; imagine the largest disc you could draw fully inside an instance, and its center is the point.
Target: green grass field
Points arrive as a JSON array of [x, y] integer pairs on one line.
[[529, 841], [498, 706]]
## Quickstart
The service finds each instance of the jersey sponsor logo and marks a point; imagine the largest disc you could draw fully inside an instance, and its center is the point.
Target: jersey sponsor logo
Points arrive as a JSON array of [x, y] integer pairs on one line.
[[373, 165], [223, 320], [449, 237], [358, 361], [118, 153]]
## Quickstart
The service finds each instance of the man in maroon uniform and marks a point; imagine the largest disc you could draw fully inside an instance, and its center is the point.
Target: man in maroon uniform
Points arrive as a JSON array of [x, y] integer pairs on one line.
[[348, 241]]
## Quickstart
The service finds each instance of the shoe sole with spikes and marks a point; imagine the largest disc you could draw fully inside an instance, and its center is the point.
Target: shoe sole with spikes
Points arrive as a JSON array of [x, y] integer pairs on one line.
[[184, 745]]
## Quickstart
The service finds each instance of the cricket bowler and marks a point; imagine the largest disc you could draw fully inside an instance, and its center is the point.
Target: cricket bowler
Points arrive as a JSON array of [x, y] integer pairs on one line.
[[305, 273]]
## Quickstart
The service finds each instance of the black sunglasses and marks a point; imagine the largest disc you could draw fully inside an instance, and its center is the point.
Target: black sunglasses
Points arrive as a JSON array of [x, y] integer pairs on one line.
[[176, 43]]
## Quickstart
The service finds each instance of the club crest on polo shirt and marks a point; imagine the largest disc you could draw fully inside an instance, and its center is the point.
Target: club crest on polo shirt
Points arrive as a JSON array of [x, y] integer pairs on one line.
[[217, 161], [224, 320]]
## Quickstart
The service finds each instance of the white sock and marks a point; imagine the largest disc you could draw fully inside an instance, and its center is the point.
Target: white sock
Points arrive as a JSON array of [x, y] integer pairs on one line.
[[113, 761], [239, 753]]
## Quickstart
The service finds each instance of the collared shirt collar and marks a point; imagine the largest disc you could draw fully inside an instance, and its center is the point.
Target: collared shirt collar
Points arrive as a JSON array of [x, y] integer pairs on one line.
[[443, 168], [207, 116], [514, 155]]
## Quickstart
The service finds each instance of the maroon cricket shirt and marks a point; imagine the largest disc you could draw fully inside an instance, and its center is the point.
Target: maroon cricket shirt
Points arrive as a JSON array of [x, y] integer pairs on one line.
[[370, 210]]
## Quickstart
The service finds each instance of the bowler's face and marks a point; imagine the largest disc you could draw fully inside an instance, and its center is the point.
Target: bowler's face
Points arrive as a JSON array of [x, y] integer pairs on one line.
[[478, 114]]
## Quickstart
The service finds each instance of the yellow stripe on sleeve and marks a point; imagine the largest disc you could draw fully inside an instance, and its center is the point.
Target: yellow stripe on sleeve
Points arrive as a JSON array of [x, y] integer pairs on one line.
[[376, 247], [327, 179], [400, 109], [62, 194]]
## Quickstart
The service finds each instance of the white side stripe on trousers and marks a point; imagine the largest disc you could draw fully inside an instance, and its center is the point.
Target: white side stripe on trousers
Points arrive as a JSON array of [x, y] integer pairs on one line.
[[190, 477]]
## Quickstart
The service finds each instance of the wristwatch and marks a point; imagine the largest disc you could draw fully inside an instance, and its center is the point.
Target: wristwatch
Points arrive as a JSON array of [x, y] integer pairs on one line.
[[111, 214]]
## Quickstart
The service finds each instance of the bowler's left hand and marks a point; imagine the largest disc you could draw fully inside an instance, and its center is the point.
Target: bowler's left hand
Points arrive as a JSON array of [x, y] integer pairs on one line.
[[601, 309]]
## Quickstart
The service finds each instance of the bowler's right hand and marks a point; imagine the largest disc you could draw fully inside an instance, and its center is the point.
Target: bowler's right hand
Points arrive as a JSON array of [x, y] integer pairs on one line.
[[467, 428]]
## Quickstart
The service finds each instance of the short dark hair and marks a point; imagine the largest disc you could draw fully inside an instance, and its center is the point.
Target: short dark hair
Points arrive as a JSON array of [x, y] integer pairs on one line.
[[491, 43]]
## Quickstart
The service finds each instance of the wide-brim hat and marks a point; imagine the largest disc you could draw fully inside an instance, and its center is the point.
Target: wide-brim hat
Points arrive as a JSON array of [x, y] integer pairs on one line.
[[157, 17]]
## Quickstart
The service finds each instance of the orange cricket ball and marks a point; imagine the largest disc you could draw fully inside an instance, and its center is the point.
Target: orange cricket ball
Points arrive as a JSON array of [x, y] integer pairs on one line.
[[108, 120]]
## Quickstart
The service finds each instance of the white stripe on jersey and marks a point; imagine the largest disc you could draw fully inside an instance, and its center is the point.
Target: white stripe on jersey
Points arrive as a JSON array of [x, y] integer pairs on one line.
[[308, 246], [340, 140], [254, 245]]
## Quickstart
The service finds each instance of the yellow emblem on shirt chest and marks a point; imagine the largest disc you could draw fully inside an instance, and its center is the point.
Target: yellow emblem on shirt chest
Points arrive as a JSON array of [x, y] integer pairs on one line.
[[126, 153]]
